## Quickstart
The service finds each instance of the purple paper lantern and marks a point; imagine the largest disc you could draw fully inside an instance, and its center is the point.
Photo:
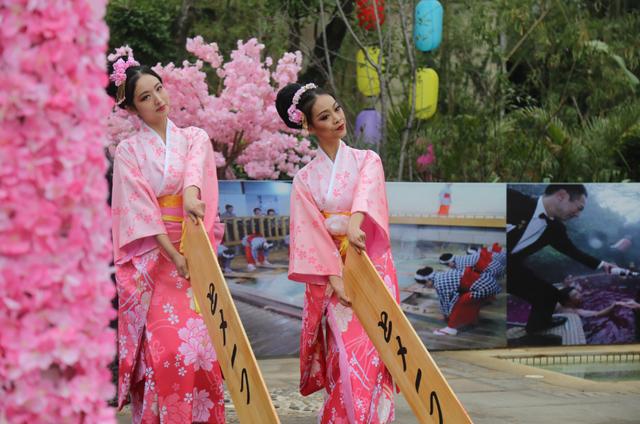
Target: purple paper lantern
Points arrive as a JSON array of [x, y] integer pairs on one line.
[[369, 126]]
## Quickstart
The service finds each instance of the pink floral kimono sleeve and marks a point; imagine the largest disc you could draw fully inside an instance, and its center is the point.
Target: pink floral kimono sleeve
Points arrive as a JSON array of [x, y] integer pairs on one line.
[[135, 209], [200, 171], [370, 199], [313, 254]]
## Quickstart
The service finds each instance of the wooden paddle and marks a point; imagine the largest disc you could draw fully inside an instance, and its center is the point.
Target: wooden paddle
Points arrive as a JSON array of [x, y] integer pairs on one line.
[[400, 348], [237, 361]]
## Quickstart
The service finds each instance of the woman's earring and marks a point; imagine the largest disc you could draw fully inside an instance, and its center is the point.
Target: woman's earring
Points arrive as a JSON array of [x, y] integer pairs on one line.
[[305, 129]]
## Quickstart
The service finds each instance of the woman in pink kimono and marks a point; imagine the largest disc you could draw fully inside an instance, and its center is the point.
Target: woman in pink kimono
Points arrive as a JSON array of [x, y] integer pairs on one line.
[[338, 199], [167, 365]]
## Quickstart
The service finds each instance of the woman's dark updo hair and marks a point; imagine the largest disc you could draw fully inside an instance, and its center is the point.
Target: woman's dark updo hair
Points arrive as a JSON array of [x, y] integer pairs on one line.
[[307, 100], [133, 75]]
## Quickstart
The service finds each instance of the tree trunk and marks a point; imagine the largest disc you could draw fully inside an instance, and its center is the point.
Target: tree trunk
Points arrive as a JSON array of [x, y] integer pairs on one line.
[[334, 32], [406, 132], [181, 31]]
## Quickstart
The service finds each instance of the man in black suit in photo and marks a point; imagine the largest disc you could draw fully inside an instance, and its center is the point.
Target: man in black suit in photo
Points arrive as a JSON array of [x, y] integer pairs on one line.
[[532, 224]]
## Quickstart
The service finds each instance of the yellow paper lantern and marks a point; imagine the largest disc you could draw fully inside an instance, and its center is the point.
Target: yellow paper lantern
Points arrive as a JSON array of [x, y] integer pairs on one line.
[[366, 75], [426, 93]]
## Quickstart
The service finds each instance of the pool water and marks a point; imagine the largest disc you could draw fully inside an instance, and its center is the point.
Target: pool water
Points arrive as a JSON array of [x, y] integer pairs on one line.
[[595, 367]]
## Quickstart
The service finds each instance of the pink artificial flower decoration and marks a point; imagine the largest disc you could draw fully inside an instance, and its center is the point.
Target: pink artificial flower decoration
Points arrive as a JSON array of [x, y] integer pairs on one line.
[[207, 52], [426, 160], [55, 235], [295, 115], [119, 75], [124, 51], [240, 116]]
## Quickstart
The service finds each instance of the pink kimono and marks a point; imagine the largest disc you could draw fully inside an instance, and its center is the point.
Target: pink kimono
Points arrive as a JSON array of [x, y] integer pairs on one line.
[[166, 361], [359, 387]]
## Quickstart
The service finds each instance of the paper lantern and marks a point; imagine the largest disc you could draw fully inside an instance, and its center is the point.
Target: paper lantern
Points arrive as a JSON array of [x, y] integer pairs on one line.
[[366, 75], [426, 93], [369, 126], [367, 14], [427, 28]]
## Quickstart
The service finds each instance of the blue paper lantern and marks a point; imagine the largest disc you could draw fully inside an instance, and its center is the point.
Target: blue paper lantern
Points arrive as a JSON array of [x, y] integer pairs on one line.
[[427, 28], [369, 126]]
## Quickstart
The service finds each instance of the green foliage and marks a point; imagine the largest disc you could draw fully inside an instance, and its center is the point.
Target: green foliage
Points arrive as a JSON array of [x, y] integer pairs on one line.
[[232, 20], [530, 90], [537, 90], [151, 27], [146, 26]]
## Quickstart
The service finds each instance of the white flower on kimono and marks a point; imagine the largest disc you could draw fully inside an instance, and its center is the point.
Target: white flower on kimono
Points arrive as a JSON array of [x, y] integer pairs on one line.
[[149, 384], [343, 315], [384, 408], [148, 372], [196, 347], [192, 302], [123, 351], [201, 405]]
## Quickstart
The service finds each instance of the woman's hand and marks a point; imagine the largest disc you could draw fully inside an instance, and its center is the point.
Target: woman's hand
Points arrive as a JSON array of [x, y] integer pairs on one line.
[[181, 265], [172, 253], [193, 206], [357, 237], [337, 283]]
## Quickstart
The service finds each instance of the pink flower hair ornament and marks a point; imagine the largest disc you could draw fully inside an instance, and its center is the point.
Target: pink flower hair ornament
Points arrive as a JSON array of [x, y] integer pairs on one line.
[[295, 115], [119, 76]]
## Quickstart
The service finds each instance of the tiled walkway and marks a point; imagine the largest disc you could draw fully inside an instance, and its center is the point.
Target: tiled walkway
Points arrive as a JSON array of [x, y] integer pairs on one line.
[[494, 391]]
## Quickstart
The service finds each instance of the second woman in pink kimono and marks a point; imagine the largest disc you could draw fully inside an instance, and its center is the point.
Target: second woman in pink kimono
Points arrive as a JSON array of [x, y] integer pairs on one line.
[[162, 175], [338, 199]]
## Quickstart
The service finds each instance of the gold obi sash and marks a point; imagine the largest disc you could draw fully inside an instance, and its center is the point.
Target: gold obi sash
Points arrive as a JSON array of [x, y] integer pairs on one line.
[[342, 241], [171, 208]]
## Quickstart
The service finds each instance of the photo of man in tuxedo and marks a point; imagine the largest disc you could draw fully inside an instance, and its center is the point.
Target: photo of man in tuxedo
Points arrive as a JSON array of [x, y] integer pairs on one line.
[[532, 224]]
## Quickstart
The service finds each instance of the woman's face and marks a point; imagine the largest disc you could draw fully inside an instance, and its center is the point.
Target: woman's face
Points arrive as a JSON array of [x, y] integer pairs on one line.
[[151, 100], [327, 119]]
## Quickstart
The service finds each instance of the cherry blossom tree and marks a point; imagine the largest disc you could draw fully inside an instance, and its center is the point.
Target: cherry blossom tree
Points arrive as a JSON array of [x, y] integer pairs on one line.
[[241, 120], [55, 248]]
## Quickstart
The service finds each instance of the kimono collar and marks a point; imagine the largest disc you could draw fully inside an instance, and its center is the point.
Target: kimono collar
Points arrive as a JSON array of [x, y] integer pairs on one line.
[[323, 153], [153, 133]]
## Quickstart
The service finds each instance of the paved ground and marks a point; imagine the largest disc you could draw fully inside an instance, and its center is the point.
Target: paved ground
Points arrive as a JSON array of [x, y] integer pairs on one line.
[[493, 390]]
